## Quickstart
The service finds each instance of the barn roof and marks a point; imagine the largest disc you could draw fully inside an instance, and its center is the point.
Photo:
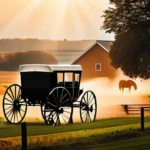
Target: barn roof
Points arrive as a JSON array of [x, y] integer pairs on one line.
[[104, 44]]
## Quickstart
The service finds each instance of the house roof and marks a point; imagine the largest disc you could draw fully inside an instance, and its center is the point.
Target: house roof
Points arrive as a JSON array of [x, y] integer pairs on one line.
[[104, 44]]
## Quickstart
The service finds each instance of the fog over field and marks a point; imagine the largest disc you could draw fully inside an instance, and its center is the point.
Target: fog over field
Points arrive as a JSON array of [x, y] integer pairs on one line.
[[109, 98]]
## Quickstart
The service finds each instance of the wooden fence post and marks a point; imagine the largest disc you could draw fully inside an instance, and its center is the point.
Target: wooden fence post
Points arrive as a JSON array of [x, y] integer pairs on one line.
[[24, 135], [142, 119]]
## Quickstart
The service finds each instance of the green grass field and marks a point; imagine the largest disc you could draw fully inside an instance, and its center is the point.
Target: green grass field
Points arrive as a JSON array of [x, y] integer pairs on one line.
[[113, 133], [138, 143], [11, 130]]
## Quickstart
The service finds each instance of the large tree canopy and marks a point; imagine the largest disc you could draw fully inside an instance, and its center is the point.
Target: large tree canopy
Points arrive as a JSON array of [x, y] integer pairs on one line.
[[130, 21]]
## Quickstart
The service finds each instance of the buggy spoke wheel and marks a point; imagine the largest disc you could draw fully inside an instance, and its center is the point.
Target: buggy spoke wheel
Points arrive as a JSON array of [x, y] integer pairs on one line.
[[88, 107], [42, 109], [58, 108], [14, 107]]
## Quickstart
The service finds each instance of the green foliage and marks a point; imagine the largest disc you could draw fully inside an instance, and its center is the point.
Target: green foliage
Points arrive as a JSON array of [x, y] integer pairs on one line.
[[130, 21], [11, 61], [126, 14], [131, 53]]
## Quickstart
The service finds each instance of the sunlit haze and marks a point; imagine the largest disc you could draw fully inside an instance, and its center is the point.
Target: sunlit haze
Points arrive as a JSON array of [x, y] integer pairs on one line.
[[59, 20], [109, 99], [53, 19]]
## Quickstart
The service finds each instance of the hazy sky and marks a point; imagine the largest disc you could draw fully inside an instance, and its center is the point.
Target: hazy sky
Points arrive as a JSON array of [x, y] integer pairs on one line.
[[53, 19]]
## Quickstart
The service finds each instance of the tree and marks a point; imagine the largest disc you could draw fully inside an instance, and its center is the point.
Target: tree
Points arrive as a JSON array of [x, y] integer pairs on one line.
[[130, 21], [12, 60]]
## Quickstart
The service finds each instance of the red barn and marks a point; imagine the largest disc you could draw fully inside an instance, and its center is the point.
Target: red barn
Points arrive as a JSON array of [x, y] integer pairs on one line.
[[95, 61]]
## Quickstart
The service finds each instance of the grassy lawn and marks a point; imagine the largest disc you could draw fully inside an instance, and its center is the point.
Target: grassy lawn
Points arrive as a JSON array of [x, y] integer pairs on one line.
[[115, 133], [138, 143], [104, 139], [11, 130]]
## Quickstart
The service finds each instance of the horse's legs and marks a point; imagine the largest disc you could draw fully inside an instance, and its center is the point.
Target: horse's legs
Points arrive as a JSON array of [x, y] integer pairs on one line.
[[129, 89], [122, 90]]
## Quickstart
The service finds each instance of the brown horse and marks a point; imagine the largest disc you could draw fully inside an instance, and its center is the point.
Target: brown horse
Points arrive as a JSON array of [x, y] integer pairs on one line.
[[127, 84]]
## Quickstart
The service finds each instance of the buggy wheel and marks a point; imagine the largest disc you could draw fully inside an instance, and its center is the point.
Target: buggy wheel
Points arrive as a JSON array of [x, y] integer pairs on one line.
[[14, 107], [42, 109], [88, 107], [58, 108]]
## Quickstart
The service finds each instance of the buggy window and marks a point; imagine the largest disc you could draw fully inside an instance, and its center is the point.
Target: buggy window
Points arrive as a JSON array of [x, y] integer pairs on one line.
[[68, 77], [60, 77], [77, 77]]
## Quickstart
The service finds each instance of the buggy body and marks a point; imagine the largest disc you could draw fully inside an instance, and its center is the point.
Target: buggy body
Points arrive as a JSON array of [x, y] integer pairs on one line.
[[55, 88]]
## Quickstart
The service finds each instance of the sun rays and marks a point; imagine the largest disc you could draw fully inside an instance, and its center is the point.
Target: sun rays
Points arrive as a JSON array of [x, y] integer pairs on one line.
[[18, 23], [37, 1], [57, 19]]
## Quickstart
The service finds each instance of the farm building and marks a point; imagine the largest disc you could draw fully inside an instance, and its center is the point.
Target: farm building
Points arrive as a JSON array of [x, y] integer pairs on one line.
[[91, 53], [95, 61]]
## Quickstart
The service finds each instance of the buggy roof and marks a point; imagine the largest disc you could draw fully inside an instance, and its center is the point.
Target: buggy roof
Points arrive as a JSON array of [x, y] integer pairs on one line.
[[48, 68]]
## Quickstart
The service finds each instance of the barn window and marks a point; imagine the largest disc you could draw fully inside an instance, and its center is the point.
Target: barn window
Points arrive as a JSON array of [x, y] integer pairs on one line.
[[98, 67]]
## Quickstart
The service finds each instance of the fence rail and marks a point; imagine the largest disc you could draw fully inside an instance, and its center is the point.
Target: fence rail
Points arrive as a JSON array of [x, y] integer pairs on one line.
[[135, 108]]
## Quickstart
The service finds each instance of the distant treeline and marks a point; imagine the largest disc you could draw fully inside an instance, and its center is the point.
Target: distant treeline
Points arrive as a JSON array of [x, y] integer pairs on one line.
[[25, 44], [11, 61]]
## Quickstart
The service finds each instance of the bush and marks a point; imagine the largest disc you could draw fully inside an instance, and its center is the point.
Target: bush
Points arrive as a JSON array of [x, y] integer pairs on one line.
[[11, 61]]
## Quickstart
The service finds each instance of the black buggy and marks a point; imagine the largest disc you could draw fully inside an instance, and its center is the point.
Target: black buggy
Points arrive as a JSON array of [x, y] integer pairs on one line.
[[55, 88]]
